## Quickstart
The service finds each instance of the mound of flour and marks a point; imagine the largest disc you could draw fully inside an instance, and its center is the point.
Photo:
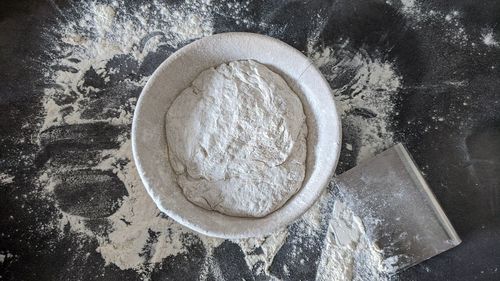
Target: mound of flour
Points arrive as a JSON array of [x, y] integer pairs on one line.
[[237, 140]]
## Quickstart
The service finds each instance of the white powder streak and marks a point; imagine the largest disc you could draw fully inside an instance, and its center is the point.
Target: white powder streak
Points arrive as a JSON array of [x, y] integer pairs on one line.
[[6, 178], [348, 254], [420, 16], [373, 88], [488, 37], [107, 31], [105, 36], [269, 245]]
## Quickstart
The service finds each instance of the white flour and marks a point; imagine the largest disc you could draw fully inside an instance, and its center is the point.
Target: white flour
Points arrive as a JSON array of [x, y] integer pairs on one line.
[[5, 256], [237, 140], [105, 32], [488, 37], [419, 15], [348, 250], [6, 178], [367, 101]]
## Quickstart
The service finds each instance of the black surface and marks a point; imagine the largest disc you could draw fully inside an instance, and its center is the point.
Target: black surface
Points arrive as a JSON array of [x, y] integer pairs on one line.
[[460, 156]]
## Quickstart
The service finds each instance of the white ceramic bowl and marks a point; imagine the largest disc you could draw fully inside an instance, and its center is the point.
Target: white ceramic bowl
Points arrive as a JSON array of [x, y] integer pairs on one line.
[[177, 72]]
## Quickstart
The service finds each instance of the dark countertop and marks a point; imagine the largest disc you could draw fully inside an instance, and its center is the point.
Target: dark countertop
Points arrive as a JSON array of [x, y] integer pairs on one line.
[[456, 79]]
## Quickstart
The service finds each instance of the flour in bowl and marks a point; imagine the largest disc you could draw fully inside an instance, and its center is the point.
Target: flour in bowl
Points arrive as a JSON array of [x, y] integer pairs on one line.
[[237, 140]]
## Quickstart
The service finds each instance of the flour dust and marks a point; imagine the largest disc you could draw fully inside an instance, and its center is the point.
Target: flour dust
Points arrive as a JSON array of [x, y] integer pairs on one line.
[[6, 178], [366, 100], [421, 14], [348, 250], [101, 57]]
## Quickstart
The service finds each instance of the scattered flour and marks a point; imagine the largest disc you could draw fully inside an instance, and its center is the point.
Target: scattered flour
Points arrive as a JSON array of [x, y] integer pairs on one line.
[[348, 251], [420, 15], [102, 34], [6, 178], [488, 37], [237, 140], [367, 101], [91, 44], [5, 256], [269, 246]]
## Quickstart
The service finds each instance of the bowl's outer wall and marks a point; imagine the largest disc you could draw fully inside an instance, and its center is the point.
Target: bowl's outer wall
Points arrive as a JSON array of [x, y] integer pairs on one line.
[[177, 72]]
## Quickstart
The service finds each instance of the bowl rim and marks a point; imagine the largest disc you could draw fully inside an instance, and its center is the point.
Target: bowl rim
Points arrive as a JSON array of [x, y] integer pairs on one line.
[[230, 232]]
